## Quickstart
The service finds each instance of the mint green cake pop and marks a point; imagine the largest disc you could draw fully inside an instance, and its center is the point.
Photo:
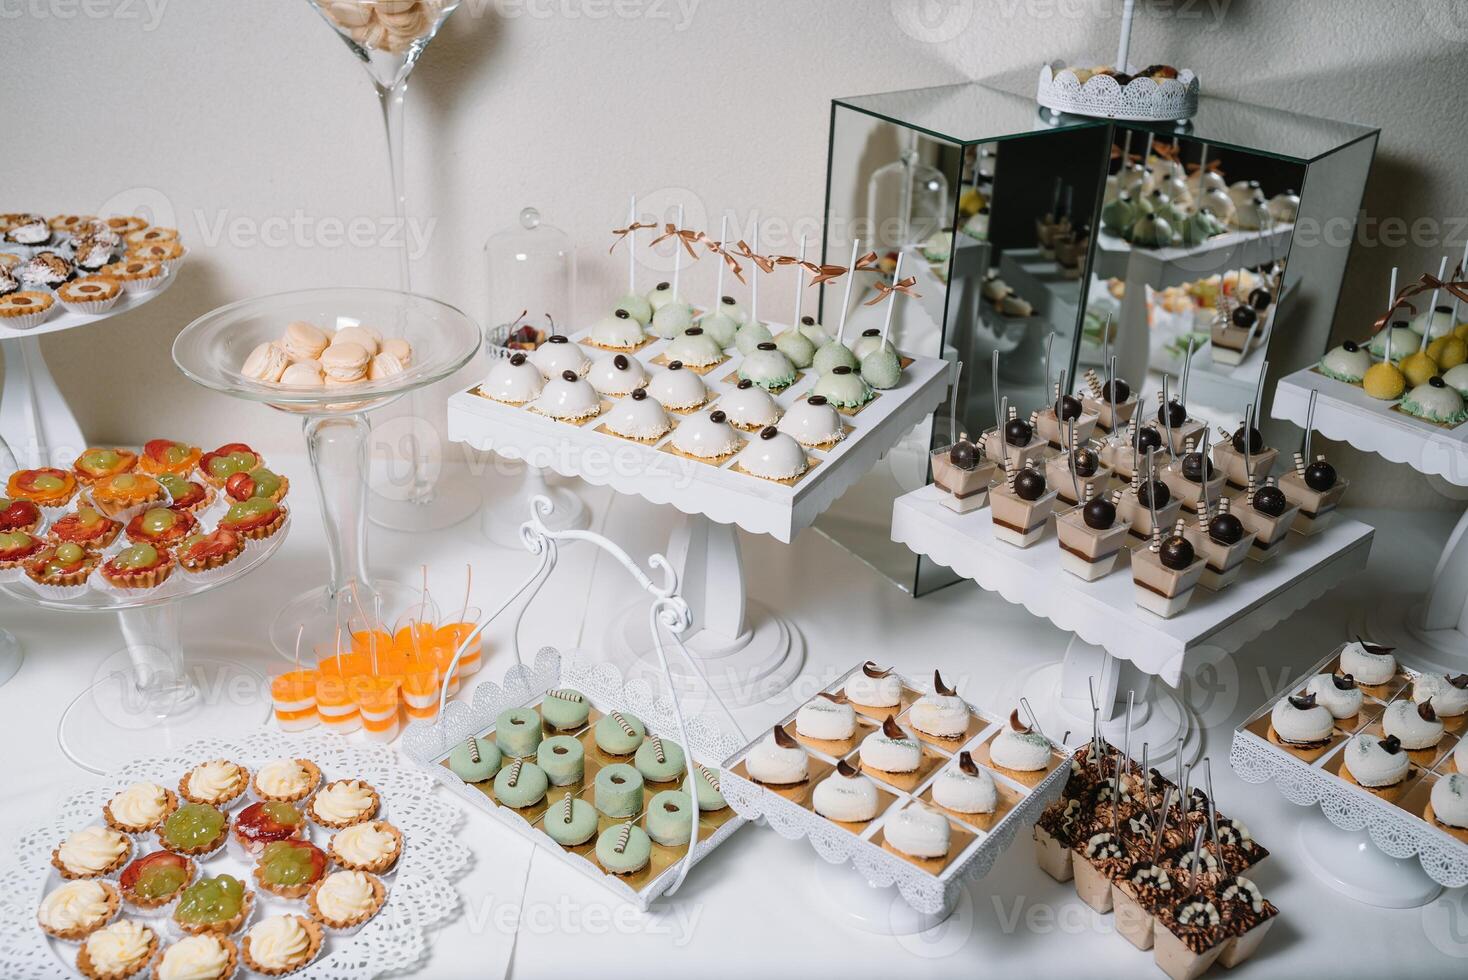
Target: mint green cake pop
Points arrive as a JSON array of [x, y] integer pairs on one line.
[[813, 330], [695, 348], [721, 327], [796, 346], [843, 388], [1118, 215], [636, 306], [751, 335], [767, 367], [660, 296], [881, 368], [833, 355], [672, 319]]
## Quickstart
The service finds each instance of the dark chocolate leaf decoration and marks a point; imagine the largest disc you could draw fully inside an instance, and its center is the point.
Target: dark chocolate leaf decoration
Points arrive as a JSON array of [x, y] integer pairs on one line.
[[967, 764], [872, 670], [891, 729], [784, 739], [941, 688], [848, 770]]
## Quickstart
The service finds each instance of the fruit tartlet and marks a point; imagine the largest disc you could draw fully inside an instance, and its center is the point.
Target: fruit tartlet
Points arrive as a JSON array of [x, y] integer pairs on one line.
[[281, 944], [62, 565], [164, 253], [117, 495], [24, 309], [343, 803], [287, 780], [258, 484], [46, 487], [89, 294], [117, 952], [215, 906], [124, 224], [91, 852], [346, 899], [231, 458], [217, 782], [146, 236], [373, 846], [167, 456], [161, 526], [76, 909], [206, 552], [17, 548], [154, 880], [135, 274], [185, 494], [194, 830], [266, 822], [86, 527], [290, 868], [141, 566], [139, 808], [206, 957], [19, 515], [256, 519], [98, 464]]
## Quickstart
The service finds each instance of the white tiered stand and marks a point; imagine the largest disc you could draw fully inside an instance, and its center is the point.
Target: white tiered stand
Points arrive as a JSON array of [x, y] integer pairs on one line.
[[1122, 647], [34, 417], [1438, 625], [747, 651]]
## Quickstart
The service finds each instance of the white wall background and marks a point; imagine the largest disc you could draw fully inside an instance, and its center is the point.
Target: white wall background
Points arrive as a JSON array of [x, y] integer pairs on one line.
[[256, 127]]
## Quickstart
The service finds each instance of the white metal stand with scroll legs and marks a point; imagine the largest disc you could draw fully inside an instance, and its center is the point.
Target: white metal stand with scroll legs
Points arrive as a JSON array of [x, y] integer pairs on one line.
[[1441, 620], [745, 650]]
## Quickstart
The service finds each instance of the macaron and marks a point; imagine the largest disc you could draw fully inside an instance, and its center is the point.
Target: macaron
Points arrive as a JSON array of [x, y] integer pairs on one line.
[[267, 363], [399, 348], [304, 374], [344, 363], [304, 341], [383, 366], [368, 340]]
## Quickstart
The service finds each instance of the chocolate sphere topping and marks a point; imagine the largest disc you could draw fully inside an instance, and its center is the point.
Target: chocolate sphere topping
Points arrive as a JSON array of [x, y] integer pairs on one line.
[[1176, 553], [621, 314], [807, 321], [1087, 462], [1445, 309], [1437, 382], [1351, 346], [871, 332], [1099, 514], [768, 432], [1226, 529], [1244, 317], [1172, 414], [718, 416], [1260, 299], [675, 365], [1320, 476], [1017, 432], [1153, 493], [693, 332], [1196, 468], [744, 384], [556, 338], [1270, 501], [569, 375], [518, 358], [727, 300], [766, 345], [1116, 390], [817, 400], [1029, 485], [963, 455], [1070, 408], [663, 286], [620, 362], [638, 394], [1149, 438], [841, 369], [1256, 441]]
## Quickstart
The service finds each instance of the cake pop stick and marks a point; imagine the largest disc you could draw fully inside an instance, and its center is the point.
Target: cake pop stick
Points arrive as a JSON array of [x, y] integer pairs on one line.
[[999, 431], [1075, 480], [632, 252], [1248, 437], [846, 295], [677, 254], [1462, 268], [1203, 487], [1152, 498], [800, 283], [892, 299], [1146, 796], [754, 282], [719, 276], [1442, 270], [468, 584]]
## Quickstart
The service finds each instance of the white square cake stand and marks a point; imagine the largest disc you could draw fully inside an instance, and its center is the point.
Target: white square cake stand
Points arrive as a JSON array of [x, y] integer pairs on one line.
[[747, 651], [1437, 627], [1118, 644]]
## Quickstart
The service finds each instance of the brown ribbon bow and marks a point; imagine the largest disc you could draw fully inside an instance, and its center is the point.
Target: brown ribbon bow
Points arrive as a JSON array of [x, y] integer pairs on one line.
[[765, 264], [1426, 283], [719, 249], [1214, 166], [622, 233], [867, 262], [826, 273], [681, 236], [903, 286]]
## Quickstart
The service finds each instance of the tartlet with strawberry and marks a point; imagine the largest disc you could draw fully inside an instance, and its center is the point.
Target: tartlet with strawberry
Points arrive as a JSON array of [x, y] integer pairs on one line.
[[85, 526], [206, 552], [256, 518], [118, 494], [45, 487], [19, 515], [161, 527], [142, 566], [166, 456], [185, 494], [231, 458], [98, 464], [62, 565], [17, 548]]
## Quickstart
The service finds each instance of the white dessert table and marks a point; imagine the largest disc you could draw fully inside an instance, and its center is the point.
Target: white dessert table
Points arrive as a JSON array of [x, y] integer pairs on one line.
[[1122, 647], [1438, 624], [747, 651], [35, 419]]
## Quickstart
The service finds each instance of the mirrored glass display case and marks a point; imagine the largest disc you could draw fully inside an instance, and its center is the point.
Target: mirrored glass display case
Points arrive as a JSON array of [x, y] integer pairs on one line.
[[1045, 245]]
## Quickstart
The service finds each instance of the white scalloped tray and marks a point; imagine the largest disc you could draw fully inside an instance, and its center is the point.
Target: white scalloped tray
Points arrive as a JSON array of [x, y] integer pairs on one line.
[[602, 684], [1141, 99], [1104, 613], [720, 492], [1345, 412], [64, 319], [1396, 829], [421, 894], [927, 893]]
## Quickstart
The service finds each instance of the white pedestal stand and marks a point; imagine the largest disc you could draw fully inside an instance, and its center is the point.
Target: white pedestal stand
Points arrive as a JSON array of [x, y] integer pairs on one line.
[[502, 519], [746, 651], [1350, 863], [879, 910], [1437, 626]]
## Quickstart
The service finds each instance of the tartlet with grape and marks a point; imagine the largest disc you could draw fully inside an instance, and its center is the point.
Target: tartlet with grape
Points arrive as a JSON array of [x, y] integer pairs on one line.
[[62, 565], [140, 566], [233, 457], [98, 464], [256, 518], [206, 552], [290, 868], [17, 548], [258, 484], [161, 456], [155, 879], [84, 526], [118, 495], [161, 527], [19, 515], [194, 830], [218, 906], [185, 494], [44, 487]]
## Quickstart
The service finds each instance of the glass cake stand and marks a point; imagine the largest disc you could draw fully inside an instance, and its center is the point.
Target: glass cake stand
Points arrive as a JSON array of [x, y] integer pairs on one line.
[[145, 699], [211, 350], [388, 37]]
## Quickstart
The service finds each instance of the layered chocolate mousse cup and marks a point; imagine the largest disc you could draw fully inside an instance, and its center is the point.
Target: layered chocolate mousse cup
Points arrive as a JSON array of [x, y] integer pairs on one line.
[[1238, 467], [1165, 573], [1015, 441], [1091, 537], [1053, 428], [1090, 476], [1192, 478], [1126, 457], [964, 474], [1223, 543], [1110, 416], [1316, 490], [1021, 507], [1267, 515], [1137, 511]]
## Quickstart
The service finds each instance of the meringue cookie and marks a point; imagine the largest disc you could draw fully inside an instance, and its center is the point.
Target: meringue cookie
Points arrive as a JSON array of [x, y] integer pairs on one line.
[[1415, 724], [825, 719], [1376, 763], [919, 832], [779, 760], [1341, 702], [963, 787], [1367, 662], [846, 796]]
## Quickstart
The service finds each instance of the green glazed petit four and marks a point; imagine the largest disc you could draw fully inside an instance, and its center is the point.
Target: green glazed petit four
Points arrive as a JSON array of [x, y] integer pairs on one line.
[[619, 733], [565, 710], [563, 759], [624, 849], [670, 818], [475, 759], [659, 761], [517, 732], [520, 784], [570, 822], [619, 790], [707, 789]]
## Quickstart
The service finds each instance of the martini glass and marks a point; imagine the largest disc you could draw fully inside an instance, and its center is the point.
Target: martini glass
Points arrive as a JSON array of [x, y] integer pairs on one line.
[[211, 350], [388, 37]]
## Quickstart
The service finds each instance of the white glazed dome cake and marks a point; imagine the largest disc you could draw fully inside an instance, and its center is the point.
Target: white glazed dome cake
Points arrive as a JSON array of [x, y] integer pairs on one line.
[[1416, 725], [941, 713], [638, 417], [1336, 693], [1300, 721], [874, 687], [964, 787], [1019, 749], [813, 422], [557, 356], [1436, 401], [846, 796], [773, 455], [569, 398], [750, 407], [1347, 363], [695, 348], [891, 749], [678, 388], [617, 374], [827, 718], [767, 367], [918, 831], [1376, 762], [619, 329], [1449, 695], [779, 760], [1369, 663], [706, 435]]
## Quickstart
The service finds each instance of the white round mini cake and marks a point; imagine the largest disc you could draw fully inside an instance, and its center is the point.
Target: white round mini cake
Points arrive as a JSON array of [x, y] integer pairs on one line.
[[846, 796], [1019, 749], [825, 718], [1300, 721], [874, 687], [695, 348], [1376, 763], [750, 407], [1449, 801], [569, 398], [557, 356], [773, 456], [779, 760], [618, 329], [890, 749], [964, 787], [941, 713], [638, 417], [706, 435], [813, 422], [919, 832], [1336, 693], [767, 367], [1368, 662], [1449, 695], [678, 388], [671, 319], [617, 374], [514, 380], [1416, 725]]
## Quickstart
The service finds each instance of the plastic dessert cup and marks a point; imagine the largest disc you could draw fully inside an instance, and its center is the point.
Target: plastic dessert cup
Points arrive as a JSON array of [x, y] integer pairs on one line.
[[1222, 562], [1048, 427], [1139, 516], [1054, 858], [1161, 590], [1106, 419], [1085, 552], [293, 696], [1185, 491], [963, 490], [1316, 508], [1236, 471], [1057, 475], [996, 449], [1017, 521], [1190, 431], [1134, 922], [1092, 886], [1267, 533]]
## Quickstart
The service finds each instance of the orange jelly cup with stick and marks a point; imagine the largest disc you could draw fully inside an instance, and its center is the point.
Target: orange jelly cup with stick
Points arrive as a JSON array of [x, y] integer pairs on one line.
[[293, 696]]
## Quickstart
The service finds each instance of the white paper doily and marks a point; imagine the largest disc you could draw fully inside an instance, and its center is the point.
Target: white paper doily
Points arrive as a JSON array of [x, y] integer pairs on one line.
[[421, 894], [604, 688]]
